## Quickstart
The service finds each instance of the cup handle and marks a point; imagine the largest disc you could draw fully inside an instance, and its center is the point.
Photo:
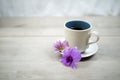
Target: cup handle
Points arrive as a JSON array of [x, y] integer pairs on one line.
[[97, 37]]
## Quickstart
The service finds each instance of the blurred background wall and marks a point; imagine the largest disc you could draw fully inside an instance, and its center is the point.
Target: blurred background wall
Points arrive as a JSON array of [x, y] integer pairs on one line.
[[28, 8]]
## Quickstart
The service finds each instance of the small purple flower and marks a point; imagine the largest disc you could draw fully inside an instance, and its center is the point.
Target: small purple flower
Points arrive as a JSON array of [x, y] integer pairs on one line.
[[60, 46], [71, 57]]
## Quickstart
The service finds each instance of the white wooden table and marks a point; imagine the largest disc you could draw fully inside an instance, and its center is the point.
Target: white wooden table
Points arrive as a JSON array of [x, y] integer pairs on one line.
[[26, 50]]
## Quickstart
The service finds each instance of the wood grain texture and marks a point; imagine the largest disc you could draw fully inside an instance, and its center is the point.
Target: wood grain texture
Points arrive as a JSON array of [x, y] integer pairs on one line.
[[55, 25], [26, 52]]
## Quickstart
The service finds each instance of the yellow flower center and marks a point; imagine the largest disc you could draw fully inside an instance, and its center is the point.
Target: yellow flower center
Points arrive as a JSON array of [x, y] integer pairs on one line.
[[61, 48]]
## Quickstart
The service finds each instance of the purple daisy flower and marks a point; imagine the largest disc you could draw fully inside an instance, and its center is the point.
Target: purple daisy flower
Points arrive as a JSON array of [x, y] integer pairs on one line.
[[60, 46], [71, 57]]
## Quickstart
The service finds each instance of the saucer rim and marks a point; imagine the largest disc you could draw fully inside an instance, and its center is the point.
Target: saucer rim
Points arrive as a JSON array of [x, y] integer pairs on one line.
[[92, 53]]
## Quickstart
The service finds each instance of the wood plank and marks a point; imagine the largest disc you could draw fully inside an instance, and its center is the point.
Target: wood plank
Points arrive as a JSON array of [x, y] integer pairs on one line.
[[33, 58], [52, 31], [29, 22], [106, 26]]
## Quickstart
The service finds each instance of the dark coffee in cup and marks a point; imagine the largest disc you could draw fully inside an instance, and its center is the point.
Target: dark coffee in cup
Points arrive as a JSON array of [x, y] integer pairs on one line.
[[77, 25], [77, 28]]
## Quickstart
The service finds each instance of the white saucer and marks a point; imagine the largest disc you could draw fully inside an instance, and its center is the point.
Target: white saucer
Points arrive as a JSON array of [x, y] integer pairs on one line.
[[92, 49]]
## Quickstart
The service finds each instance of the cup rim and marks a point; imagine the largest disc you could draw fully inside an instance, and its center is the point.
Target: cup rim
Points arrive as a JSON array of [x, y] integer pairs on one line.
[[79, 30]]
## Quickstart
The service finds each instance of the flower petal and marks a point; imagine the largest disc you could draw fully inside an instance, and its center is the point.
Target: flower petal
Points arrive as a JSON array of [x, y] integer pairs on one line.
[[73, 65], [70, 57], [59, 46]]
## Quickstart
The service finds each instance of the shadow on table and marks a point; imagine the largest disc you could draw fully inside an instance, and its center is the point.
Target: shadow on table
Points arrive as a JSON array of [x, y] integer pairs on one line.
[[87, 58]]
